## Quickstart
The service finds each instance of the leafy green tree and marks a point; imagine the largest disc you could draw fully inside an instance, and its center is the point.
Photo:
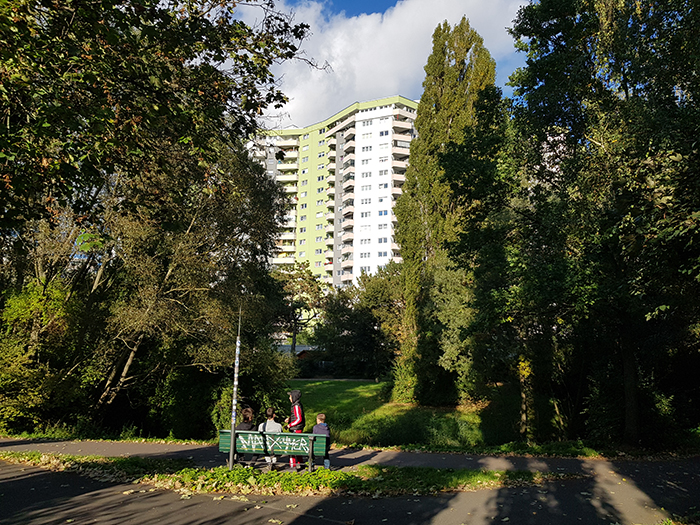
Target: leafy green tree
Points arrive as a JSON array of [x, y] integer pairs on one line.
[[458, 69], [606, 105], [129, 200], [350, 337], [302, 298]]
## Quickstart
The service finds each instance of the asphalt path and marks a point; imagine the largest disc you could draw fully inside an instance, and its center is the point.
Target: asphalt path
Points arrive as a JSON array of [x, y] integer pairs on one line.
[[620, 491]]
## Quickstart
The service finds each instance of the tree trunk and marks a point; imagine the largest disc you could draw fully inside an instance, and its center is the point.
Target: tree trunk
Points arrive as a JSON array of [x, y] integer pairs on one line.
[[629, 366]]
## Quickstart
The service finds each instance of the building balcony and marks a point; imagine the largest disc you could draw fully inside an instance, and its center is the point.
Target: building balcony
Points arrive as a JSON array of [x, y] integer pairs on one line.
[[328, 254], [287, 236], [397, 259], [331, 166], [348, 210], [330, 179], [288, 166], [279, 261], [287, 143], [348, 236], [331, 154], [330, 216], [330, 228], [346, 276], [399, 164], [348, 196], [348, 148], [331, 142], [290, 189], [347, 263], [287, 177], [347, 224], [347, 250], [329, 241], [398, 177], [401, 125], [330, 191], [285, 248], [396, 191], [348, 184]]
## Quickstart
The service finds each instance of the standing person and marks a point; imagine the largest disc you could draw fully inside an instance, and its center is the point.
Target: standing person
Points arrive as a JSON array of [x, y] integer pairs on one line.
[[296, 424], [270, 426], [321, 427]]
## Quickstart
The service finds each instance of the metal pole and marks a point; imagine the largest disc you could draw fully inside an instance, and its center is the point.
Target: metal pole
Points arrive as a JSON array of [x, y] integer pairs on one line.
[[235, 392]]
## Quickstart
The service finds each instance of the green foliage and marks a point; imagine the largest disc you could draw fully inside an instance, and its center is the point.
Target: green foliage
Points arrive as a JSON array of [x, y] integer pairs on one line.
[[348, 335], [367, 480], [133, 223], [458, 69]]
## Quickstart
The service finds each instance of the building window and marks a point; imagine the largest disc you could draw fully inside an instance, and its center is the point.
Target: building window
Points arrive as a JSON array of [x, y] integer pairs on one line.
[[302, 230], [302, 242], [367, 136], [302, 218], [319, 239], [364, 214], [364, 255], [383, 133], [319, 214], [305, 171], [302, 254], [319, 203], [364, 269], [384, 146], [321, 142], [365, 162], [320, 166], [366, 187], [319, 226], [366, 148], [365, 228], [318, 251], [383, 172], [302, 194], [305, 159], [382, 240], [366, 123], [320, 190], [383, 159], [366, 174], [318, 264], [382, 254], [305, 148], [305, 137], [303, 206], [319, 178], [365, 201], [365, 241], [321, 131], [383, 212], [384, 186], [382, 226]]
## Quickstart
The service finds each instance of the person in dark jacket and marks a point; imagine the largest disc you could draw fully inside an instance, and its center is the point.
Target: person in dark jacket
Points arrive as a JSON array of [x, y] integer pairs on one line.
[[295, 422], [247, 423], [321, 427]]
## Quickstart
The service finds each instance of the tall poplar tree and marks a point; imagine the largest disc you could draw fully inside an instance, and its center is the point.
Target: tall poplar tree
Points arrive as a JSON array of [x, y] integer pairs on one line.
[[458, 69]]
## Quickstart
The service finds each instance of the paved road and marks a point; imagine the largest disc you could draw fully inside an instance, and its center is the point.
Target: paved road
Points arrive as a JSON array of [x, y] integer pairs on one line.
[[625, 492]]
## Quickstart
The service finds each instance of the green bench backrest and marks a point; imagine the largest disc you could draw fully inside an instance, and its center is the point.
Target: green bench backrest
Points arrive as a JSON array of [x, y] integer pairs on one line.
[[285, 443]]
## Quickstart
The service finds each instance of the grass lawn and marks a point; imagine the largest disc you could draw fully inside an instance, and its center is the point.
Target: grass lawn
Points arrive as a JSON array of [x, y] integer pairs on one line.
[[357, 416]]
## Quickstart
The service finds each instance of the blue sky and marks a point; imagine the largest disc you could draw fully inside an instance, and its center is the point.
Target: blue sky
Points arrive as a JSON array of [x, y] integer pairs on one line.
[[379, 48]]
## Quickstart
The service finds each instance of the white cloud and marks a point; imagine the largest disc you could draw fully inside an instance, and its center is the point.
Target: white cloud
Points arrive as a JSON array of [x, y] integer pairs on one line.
[[378, 55]]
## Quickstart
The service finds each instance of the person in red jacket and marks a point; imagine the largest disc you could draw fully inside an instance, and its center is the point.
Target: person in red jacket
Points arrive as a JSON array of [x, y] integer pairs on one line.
[[296, 422]]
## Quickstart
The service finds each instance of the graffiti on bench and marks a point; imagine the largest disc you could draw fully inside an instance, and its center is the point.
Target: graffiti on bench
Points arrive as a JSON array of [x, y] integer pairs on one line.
[[275, 443]]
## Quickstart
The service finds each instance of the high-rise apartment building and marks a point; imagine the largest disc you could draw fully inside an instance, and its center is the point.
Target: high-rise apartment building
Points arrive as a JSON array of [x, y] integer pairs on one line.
[[344, 175]]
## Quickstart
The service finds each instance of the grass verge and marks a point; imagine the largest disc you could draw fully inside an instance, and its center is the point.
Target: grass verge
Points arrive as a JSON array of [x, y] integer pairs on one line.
[[372, 480]]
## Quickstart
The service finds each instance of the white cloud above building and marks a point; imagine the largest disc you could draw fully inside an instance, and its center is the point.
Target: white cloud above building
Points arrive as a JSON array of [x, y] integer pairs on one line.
[[381, 54]]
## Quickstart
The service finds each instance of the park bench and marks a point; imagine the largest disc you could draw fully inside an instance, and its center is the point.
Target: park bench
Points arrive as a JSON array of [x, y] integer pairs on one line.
[[275, 444]]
